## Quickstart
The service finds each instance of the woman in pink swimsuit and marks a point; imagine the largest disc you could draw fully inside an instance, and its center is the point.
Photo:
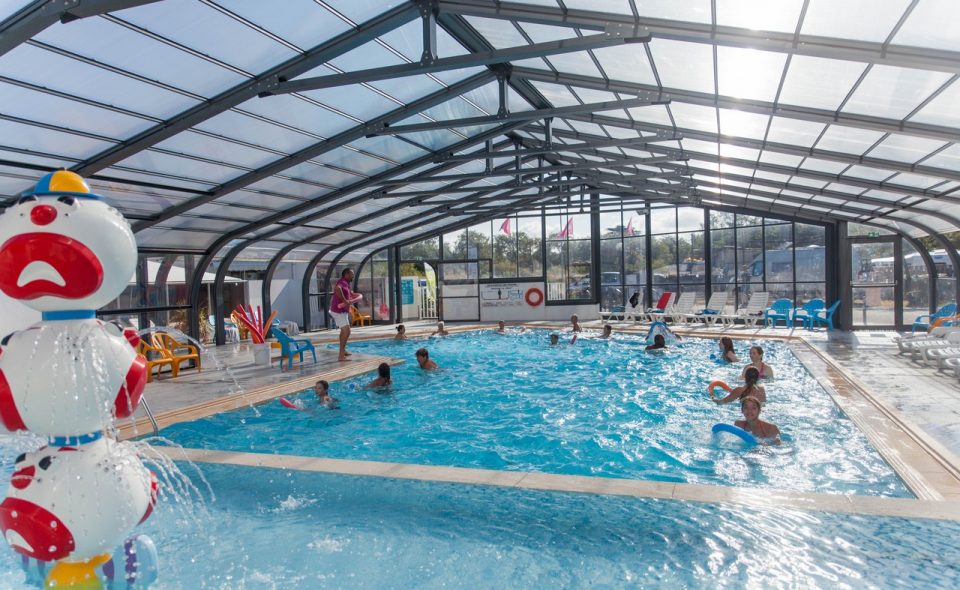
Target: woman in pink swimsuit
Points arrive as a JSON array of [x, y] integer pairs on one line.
[[340, 304]]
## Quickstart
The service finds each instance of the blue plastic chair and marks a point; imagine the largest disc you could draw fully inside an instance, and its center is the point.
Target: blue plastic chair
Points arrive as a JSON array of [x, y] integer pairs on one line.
[[825, 316], [781, 309], [805, 312], [291, 346], [946, 311]]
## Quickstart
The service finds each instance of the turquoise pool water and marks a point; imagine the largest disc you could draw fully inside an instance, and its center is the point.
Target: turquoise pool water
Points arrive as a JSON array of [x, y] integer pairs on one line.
[[271, 529], [598, 407]]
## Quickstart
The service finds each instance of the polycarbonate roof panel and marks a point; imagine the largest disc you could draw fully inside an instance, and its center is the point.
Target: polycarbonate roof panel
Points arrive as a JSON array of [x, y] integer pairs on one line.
[[252, 130], [297, 113], [838, 138], [894, 92], [154, 162], [627, 63], [848, 19], [942, 110], [749, 73], [948, 159], [794, 131], [819, 82], [760, 15], [303, 23], [51, 70], [694, 116], [49, 141], [210, 32], [904, 148], [743, 124], [682, 65], [925, 27], [157, 237], [204, 146]]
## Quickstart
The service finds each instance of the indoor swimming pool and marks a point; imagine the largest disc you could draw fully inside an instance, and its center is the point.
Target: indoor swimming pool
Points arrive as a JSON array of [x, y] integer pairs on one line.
[[596, 408], [273, 529]]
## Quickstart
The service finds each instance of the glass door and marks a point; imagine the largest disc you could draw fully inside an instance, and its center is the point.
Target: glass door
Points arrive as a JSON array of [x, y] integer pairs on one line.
[[876, 266]]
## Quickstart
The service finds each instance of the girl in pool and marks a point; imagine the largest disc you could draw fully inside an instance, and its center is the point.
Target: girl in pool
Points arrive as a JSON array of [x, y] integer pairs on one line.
[[401, 332], [322, 388], [726, 350], [751, 389], [383, 377], [764, 431], [756, 362]]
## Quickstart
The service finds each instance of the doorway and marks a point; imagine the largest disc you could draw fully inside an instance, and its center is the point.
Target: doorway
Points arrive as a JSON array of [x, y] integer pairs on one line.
[[876, 293]]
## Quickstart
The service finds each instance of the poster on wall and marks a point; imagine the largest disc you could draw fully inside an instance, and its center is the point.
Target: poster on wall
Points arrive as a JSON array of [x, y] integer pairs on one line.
[[493, 295], [406, 291]]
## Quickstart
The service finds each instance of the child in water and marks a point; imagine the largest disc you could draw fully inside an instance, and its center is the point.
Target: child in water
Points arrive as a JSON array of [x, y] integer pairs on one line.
[[323, 395]]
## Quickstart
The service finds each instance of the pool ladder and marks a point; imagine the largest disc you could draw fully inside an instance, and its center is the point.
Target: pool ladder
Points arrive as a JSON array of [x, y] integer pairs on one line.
[[153, 420]]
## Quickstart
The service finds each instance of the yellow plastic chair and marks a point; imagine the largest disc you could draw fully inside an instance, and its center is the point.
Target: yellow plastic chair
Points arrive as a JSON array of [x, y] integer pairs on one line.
[[155, 357], [177, 351], [357, 318]]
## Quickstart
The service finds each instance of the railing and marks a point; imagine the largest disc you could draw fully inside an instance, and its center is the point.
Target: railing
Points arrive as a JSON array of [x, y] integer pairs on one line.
[[428, 305]]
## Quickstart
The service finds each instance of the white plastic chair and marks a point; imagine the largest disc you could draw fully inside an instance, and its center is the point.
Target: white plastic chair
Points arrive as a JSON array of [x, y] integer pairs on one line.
[[683, 306], [718, 301]]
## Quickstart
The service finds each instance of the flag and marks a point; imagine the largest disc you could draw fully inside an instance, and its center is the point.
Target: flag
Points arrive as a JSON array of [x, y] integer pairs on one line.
[[505, 226], [629, 231], [568, 230]]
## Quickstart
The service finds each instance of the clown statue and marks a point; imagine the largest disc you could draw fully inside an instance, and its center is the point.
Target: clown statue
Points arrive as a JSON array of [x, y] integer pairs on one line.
[[66, 253]]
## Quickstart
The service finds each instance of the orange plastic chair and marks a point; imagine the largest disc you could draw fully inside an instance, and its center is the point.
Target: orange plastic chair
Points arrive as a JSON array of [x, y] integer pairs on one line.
[[357, 318], [155, 357], [177, 351]]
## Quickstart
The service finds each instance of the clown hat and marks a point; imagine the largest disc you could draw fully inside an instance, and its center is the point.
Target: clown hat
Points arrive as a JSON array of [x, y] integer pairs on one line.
[[63, 182]]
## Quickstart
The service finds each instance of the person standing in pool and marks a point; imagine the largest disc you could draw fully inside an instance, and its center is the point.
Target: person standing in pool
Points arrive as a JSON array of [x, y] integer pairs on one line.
[[764, 431], [401, 333], [575, 322], [440, 331], [501, 327], [751, 389], [607, 331], [423, 359], [726, 350], [554, 339], [340, 304], [756, 361], [383, 377]]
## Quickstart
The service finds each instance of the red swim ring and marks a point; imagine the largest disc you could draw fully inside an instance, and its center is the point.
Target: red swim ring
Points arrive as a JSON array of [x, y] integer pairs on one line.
[[533, 297], [719, 384]]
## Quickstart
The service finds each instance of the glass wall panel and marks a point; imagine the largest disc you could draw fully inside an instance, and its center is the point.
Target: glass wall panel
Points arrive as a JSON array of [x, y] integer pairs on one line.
[[455, 245], [505, 238], [778, 256], [611, 273], [568, 246], [424, 249], [530, 246], [723, 258], [692, 270], [750, 260], [916, 284]]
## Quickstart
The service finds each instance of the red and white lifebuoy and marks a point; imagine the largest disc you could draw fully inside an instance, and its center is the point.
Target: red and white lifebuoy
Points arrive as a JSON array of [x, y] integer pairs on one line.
[[533, 297]]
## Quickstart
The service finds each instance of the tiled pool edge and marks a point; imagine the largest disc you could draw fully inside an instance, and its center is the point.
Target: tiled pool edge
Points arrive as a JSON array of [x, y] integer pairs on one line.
[[925, 466], [141, 426], [754, 497]]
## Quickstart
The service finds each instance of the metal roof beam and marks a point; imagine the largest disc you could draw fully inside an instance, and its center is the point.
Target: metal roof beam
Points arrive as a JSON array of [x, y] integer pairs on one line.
[[711, 33], [339, 140], [784, 149], [938, 132], [638, 143], [232, 97], [613, 36], [37, 16], [375, 129]]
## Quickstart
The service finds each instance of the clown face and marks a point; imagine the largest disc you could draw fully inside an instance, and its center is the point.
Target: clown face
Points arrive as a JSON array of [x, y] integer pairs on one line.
[[75, 503], [65, 253]]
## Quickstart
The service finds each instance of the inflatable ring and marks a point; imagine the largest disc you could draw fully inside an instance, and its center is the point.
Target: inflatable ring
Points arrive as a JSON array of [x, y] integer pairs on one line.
[[533, 296], [735, 430], [720, 384]]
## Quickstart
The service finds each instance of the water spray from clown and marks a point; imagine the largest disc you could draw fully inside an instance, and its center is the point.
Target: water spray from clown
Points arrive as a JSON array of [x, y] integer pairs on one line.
[[73, 503]]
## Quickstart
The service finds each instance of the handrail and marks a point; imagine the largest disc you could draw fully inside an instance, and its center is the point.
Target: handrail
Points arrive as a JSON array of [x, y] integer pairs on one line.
[[146, 408]]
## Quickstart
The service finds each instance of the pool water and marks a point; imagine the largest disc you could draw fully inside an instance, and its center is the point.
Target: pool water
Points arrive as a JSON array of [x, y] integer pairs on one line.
[[273, 529], [597, 407]]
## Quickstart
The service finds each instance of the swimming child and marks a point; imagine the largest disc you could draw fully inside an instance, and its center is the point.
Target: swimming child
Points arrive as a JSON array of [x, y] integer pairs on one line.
[[607, 331], [659, 342], [322, 388], [383, 377], [751, 389], [726, 350], [575, 322], [423, 359], [765, 432], [554, 339], [440, 331], [756, 361], [502, 327], [401, 332]]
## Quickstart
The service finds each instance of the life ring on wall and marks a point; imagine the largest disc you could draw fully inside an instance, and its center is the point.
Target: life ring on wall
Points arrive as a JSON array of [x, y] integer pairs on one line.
[[533, 296]]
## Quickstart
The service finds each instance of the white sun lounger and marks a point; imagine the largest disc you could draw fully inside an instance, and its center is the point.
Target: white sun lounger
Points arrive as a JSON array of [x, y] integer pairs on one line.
[[683, 306], [718, 301], [941, 354], [752, 313], [919, 348]]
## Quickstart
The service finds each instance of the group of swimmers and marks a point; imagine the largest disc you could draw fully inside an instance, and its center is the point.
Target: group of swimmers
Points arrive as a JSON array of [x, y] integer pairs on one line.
[[751, 394]]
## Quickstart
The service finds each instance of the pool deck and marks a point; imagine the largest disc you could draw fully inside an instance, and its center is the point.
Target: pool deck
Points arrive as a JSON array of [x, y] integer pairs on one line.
[[910, 413]]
